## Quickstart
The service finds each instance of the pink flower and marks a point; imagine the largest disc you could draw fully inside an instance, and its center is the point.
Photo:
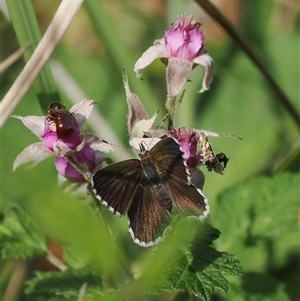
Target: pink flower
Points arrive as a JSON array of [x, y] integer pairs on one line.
[[188, 142], [60, 135], [184, 40], [85, 157], [181, 49]]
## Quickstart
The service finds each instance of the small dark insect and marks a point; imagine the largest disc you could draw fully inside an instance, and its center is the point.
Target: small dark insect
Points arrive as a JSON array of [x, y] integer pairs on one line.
[[222, 158], [60, 120], [215, 163]]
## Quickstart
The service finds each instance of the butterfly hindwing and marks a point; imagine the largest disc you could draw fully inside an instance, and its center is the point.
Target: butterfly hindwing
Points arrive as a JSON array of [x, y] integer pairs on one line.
[[177, 180], [168, 157], [149, 214], [188, 199]]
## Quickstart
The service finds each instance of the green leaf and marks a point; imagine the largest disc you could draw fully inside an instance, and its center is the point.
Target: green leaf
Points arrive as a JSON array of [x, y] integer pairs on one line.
[[262, 208], [74, 257], [67, 283], [194, 265], [111, 295], [257, 287], [201, 273], [20, 236]]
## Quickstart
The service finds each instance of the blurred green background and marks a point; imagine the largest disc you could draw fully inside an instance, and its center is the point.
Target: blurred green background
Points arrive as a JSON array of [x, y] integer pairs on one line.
[[107, 36]]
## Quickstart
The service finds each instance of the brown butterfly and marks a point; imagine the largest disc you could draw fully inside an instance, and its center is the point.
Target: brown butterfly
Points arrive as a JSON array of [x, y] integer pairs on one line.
[[147, 189]]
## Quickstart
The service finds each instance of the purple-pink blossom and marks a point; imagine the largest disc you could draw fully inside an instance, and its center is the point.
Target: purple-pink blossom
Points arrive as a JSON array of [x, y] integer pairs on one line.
[[188, 142], [50, 138], [184, 40], [60, 135], [86, 157], [181, 49]]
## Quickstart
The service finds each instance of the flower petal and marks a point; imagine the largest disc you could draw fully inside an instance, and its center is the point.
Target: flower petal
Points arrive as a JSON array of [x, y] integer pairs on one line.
[[178, 72], [61, 149], [206, 61], [136, 109], [35, 153], [143, 126], [82, 111], [49, 137], [97, 144], [86, 157], [34, 123], [67, 170], [184, 40], [158, 50]]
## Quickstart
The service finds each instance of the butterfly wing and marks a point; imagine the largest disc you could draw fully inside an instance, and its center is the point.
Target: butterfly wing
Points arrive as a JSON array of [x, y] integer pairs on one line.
[[149, 214], [188, 199], [168, 157], [124, 187], [177, 179], [115, 185]]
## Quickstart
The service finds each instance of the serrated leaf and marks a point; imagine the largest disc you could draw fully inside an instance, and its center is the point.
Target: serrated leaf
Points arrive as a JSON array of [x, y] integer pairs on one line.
[[201, 273], [263, 208], [67, 283], [195, 265], [20, 236]]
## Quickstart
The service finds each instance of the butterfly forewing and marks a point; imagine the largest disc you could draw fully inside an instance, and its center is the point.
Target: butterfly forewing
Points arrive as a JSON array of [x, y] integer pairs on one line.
[[115, 185], [169, 160]]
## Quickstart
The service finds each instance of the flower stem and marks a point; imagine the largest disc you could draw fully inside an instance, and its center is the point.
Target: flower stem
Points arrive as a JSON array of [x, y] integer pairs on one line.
[[171, 107]]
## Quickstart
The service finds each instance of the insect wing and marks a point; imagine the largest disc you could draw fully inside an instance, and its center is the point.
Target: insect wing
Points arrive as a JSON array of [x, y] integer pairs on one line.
[[115, 185], [177, 179], [188, 199], [149, 214], [168, 157]]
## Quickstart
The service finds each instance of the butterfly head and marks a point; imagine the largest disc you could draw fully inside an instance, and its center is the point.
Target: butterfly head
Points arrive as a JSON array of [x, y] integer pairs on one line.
[[144, 149]]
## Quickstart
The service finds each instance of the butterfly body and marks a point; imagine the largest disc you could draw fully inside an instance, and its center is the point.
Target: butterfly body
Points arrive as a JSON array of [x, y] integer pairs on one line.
[[147, 189]]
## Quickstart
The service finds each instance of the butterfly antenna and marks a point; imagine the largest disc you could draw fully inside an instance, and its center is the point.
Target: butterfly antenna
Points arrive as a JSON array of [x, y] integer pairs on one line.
[[156, 133], [164, 119], [116, 145], [162, 122]]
